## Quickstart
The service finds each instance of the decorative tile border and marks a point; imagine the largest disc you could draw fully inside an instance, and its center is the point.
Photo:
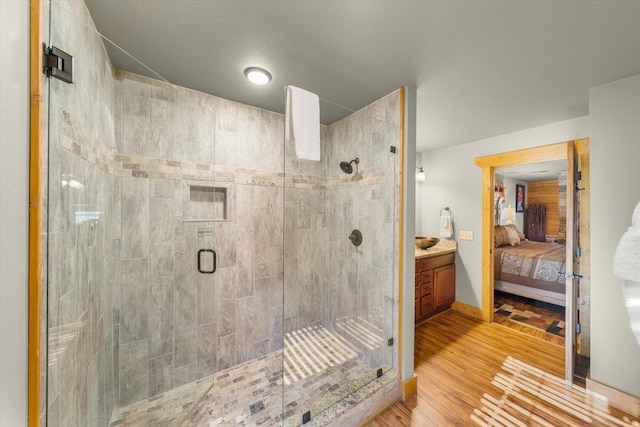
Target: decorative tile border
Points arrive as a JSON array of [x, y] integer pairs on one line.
[[146, 167]]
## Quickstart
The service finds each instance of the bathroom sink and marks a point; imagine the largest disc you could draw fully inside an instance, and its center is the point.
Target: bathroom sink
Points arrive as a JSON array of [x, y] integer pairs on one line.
[[426, 242]]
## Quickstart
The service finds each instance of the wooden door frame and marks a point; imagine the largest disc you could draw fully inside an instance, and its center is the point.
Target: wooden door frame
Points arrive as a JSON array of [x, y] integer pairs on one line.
[[34, 356], [558, 151], [489, 164]]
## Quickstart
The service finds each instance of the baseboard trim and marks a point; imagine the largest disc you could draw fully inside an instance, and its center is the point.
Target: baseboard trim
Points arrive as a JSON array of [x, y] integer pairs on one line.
[[379, 411], [408, 388], [616, 398], [469, 310]]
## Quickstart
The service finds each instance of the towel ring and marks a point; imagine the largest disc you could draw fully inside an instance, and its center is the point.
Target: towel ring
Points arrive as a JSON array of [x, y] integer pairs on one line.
[[445, 209]]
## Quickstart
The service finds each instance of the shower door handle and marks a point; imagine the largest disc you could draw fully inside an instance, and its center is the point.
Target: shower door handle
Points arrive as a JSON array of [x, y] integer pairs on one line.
[[200, 261]]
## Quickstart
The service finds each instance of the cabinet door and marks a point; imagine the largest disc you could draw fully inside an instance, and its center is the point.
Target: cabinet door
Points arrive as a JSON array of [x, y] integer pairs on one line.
[[444, 283]]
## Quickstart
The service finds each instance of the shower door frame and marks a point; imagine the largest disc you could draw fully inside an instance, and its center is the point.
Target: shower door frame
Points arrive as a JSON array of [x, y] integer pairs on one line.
[[35, 215]]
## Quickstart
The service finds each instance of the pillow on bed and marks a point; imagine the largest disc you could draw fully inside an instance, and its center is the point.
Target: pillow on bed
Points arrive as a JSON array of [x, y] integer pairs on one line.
[[505, 236], [513, 237], [515, 228], [499, 236]]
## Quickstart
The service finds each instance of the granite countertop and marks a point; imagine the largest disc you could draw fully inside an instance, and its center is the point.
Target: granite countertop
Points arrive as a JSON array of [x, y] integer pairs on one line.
[[441, 248]]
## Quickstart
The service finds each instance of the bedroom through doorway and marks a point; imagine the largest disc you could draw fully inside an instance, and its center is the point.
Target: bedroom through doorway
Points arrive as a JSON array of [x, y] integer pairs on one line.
[[529, 253], [525, 248]]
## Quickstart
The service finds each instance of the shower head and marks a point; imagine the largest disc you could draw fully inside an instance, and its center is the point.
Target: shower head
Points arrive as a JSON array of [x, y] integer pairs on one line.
[[346, 166]]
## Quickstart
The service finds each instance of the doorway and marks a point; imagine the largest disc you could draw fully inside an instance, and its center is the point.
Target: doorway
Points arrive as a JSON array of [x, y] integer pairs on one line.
[[575, 154], [530, 200]]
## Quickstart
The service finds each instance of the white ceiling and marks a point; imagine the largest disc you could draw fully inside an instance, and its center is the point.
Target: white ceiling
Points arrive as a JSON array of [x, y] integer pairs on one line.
[[534, 172], [481, 68]]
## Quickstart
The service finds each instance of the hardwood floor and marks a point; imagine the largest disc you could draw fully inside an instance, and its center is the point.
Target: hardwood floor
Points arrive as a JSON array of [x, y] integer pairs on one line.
[[476, 373]]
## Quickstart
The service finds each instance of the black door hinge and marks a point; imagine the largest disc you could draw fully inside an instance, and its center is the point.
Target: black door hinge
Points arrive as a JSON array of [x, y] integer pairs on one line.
[[57, 63]]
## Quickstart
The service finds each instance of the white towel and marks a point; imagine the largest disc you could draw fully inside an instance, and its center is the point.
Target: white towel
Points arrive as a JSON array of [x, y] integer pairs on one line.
[[446, 226], [626, 265], [302, 122], [626, 260]]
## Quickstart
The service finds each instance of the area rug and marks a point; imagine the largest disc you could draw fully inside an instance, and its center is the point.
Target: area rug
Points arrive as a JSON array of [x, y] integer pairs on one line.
[[532, 320]]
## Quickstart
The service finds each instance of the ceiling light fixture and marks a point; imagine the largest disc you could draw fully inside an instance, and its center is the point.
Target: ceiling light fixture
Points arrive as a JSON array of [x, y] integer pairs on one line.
[[257, 75]]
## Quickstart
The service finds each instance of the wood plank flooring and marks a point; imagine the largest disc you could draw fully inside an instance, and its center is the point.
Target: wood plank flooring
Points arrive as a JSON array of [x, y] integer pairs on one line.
[[476, 373]]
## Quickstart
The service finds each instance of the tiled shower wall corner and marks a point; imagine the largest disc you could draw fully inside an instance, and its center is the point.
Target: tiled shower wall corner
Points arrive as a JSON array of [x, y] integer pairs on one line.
[[361, 282], [349, 290]]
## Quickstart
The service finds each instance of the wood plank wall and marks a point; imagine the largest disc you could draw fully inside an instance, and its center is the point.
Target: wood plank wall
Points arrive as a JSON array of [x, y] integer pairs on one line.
[[546, 193]]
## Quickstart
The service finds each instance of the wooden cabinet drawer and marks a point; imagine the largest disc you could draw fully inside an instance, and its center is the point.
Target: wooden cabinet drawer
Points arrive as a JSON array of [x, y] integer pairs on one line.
[[417, 283], [426, 305], [426, 290], [426, 276], [437, 261], [418, 292]]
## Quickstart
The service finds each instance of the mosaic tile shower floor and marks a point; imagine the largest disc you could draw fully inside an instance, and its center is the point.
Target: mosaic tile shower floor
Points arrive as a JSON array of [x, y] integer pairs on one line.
[[319, 367]]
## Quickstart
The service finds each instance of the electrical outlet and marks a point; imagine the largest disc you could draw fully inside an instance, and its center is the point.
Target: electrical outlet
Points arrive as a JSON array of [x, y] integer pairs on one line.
[[466, 235]]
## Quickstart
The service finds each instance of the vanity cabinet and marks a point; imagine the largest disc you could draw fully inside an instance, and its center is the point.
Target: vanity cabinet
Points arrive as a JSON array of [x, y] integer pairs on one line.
[[435, 285]]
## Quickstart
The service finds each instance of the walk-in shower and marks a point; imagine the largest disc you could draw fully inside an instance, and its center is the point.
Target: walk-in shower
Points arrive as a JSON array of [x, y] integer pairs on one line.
[[199, 273]]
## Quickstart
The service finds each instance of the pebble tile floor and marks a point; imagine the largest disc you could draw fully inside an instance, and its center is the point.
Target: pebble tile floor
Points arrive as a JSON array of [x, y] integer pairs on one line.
[[319, 368]]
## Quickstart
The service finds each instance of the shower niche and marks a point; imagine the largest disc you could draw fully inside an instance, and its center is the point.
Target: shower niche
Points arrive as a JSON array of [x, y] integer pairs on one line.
[[207, 201]]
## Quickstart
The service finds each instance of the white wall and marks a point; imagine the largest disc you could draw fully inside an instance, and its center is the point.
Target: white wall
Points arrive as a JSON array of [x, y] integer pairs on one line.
[[615, 152], [408, 267], [454, 180], [418, 193], [14, 169]]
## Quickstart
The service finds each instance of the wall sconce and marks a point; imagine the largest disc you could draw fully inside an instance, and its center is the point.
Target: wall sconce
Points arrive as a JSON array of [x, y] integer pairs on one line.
[[420, 176], [508, 215]]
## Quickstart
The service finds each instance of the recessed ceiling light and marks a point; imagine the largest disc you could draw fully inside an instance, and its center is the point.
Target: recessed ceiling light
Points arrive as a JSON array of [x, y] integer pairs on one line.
[[257, 75]]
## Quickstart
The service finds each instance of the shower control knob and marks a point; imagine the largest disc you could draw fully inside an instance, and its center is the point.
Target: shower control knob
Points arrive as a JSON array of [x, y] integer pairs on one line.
[[356, 237]]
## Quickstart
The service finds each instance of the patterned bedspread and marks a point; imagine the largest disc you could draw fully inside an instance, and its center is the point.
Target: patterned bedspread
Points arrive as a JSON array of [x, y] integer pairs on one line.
[[534, 264]]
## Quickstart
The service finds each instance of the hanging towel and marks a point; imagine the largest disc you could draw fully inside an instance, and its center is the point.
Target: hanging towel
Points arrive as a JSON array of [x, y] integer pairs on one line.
[[446, 226], [626, 260], [626, 265], [302, 122]]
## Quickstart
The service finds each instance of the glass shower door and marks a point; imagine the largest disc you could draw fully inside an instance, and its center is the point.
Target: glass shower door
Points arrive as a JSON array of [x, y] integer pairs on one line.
[[340, 237], [164, 246], [135, 218], [81, 216]]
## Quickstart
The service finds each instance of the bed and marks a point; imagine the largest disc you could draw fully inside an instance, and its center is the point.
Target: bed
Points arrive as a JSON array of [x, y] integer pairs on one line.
[[530, 269]]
